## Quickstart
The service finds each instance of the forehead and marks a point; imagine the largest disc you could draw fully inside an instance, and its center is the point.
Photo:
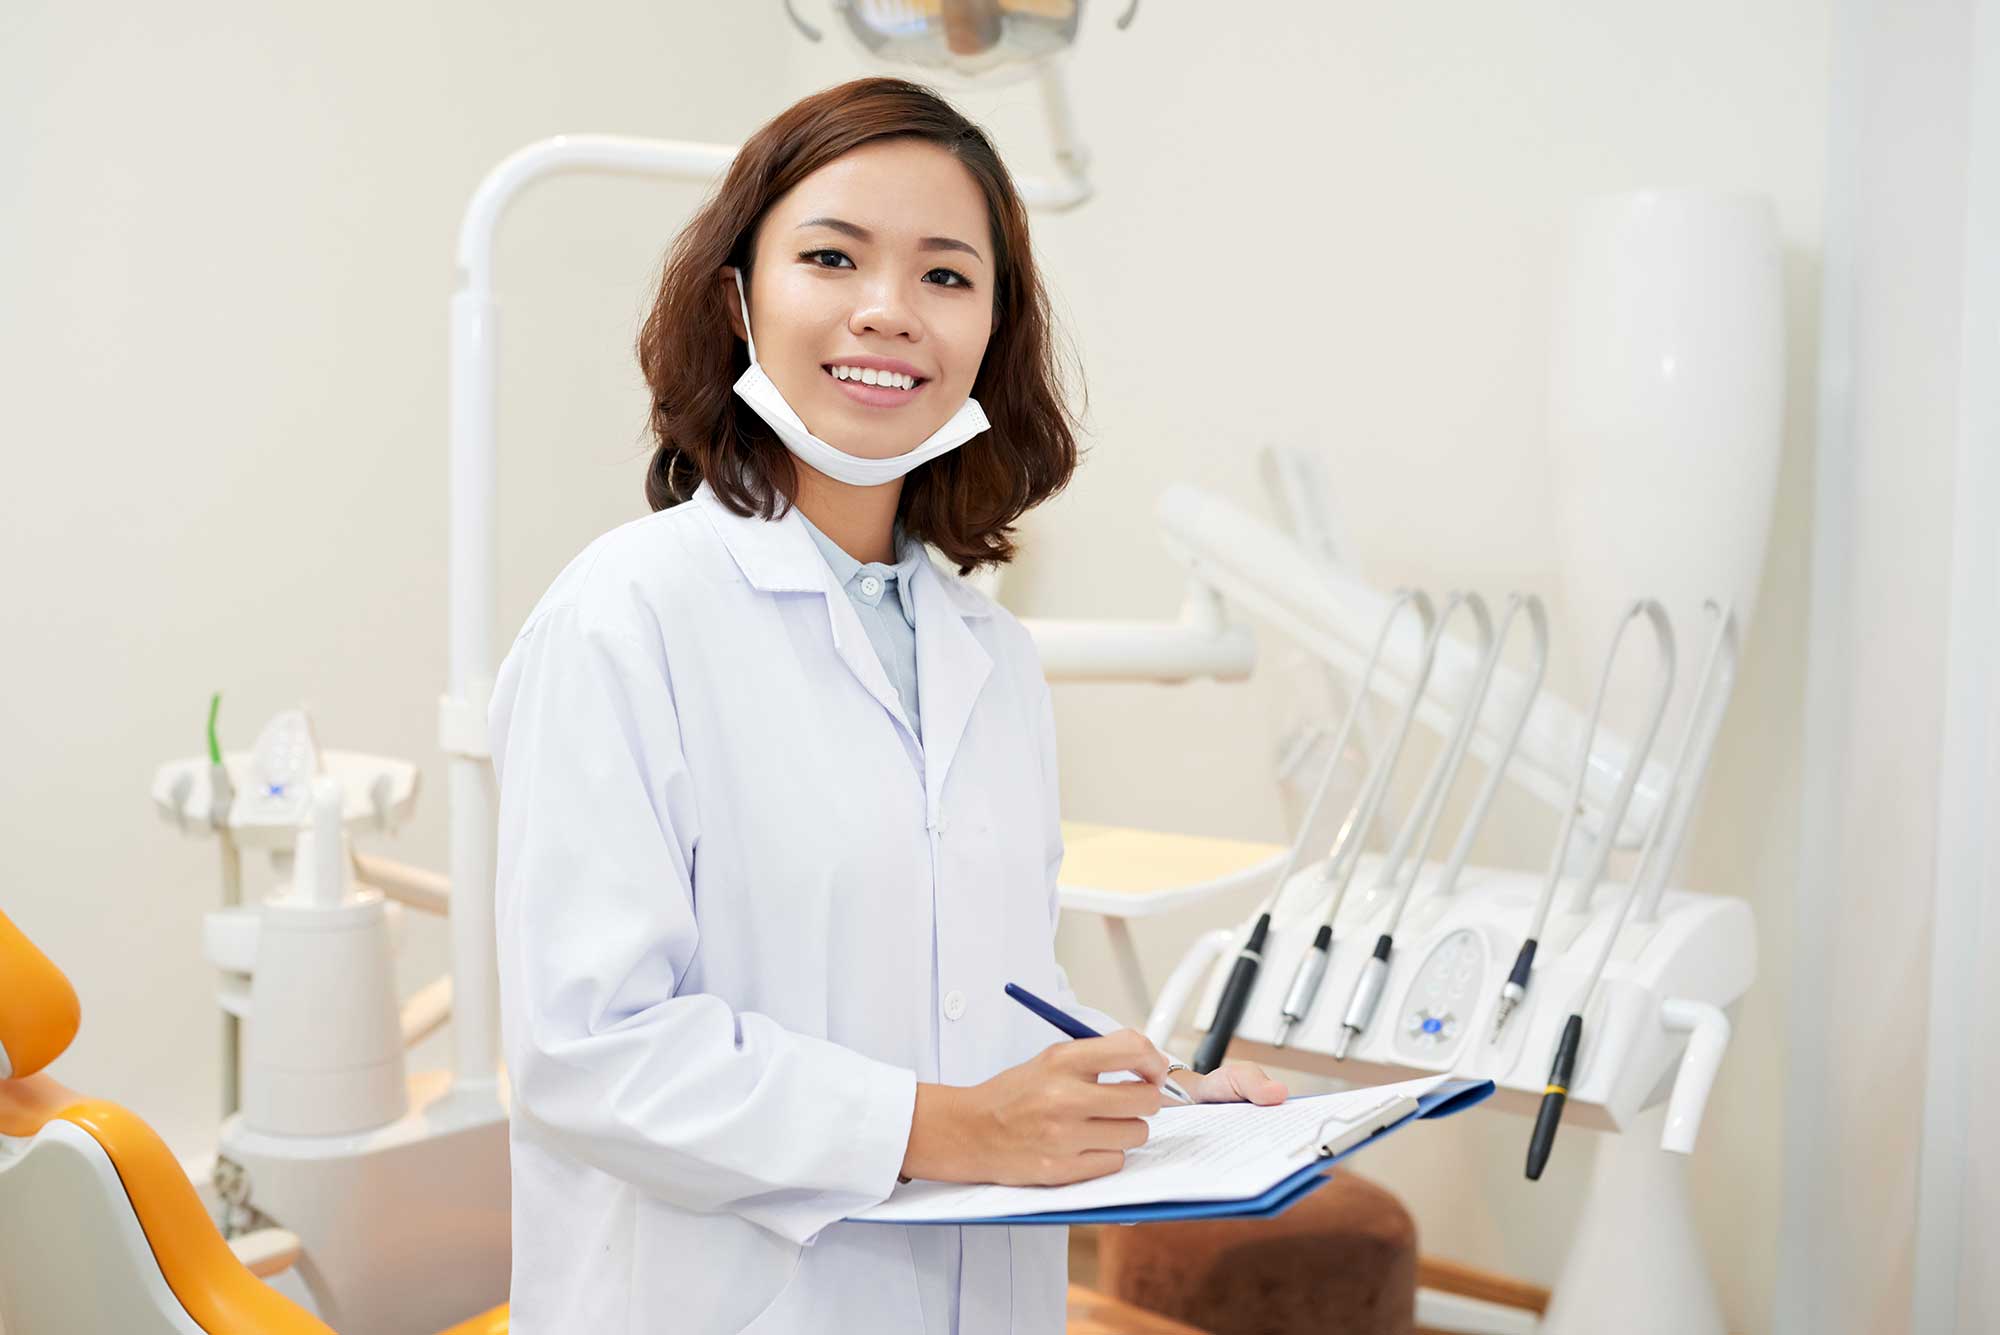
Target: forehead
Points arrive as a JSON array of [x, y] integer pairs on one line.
[[899, 189]]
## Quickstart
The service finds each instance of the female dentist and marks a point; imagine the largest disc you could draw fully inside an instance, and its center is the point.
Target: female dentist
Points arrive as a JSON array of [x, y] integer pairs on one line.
[[778, 803]]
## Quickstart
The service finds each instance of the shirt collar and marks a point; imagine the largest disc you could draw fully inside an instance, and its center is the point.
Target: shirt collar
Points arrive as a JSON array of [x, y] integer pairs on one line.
[[909, 555]]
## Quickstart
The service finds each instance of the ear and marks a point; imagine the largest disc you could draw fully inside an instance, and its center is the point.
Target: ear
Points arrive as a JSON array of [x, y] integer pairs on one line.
[[727, 275]]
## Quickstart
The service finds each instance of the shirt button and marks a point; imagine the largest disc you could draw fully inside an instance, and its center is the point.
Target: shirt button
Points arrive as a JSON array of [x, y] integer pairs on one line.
[[870, 585], [954, 1004]]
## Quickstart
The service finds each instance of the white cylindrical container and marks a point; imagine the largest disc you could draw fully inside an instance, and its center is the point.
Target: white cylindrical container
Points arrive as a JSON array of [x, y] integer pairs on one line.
[[324, 1050], [324, 1055], [1666, 409]]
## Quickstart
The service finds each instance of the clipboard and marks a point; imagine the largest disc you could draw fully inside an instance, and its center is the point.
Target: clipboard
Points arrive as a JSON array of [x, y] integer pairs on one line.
[[1394, 1114]]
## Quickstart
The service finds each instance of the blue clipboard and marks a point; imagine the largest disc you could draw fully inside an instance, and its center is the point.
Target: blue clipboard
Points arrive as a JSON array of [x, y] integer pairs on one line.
[[1276, 1199]]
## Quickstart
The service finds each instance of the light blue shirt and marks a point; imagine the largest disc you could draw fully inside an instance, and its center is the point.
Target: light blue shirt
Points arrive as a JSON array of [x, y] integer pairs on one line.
[[887, 606]]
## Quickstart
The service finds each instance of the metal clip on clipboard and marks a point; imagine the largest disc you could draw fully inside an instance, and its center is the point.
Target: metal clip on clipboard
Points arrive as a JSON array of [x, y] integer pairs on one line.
[[1358, 1128]]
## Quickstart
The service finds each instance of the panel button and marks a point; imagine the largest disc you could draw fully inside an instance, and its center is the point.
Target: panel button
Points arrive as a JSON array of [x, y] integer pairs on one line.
[[954, 1004]]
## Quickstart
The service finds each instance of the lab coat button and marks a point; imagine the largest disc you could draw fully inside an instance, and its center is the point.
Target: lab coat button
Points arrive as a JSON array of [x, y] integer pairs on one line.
[[954, 1004]]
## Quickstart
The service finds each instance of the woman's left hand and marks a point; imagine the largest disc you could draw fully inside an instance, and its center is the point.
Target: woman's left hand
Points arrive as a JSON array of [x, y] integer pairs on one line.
[[1232, 1082]]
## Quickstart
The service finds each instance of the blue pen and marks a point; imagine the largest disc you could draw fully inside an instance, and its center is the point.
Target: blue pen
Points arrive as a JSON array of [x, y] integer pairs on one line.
[[1076, 1028]]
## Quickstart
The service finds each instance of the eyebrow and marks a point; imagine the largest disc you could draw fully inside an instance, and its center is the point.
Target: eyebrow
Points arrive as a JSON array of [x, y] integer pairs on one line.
[[860, 233]]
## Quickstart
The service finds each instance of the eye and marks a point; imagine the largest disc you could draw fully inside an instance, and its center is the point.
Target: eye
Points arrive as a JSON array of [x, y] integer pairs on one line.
[[813, 254], [962, 280]]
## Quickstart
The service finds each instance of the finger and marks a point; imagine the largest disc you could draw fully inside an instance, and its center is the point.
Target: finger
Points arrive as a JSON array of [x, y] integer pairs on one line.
[[1126, 1050], [1255, 1085], [1095, 1163], [1237, 1082], [1124, 1098], [1115, 1133]]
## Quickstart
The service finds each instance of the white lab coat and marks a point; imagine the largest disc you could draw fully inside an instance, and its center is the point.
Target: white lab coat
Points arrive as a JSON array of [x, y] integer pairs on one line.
[[726, 872]]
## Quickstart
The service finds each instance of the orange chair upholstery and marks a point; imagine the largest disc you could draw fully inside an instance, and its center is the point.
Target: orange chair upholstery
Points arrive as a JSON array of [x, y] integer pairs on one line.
[[1343, 1261], [39, 1017], [486, 1323]]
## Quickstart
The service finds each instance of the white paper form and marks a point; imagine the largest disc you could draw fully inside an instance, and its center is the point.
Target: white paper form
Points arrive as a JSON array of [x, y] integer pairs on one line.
[[1198, 1152]]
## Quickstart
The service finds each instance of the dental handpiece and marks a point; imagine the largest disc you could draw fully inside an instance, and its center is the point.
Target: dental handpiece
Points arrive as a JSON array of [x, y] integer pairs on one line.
[[1515, 990], [1242, 979], [1367, 991], [1425, 818], [1312, 967], [1549, 1116], [1235, 996], [1305, 984], [1356, 833]]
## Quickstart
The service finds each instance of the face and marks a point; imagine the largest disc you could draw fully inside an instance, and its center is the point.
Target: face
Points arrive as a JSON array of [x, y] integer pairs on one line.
[[881, 260]]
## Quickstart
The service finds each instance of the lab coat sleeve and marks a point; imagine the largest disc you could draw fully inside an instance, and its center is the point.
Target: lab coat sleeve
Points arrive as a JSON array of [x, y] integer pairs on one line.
[[1052, 824], [703, 1106]]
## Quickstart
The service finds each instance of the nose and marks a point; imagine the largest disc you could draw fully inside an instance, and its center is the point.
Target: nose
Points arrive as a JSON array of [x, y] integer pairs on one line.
[[885, 308]]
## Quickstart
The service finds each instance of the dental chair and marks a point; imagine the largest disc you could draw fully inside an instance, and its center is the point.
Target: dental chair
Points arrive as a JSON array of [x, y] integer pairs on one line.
[[100, 1230]]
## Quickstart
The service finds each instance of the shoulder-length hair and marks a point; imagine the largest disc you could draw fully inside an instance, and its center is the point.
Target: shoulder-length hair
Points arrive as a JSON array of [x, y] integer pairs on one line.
[[963, 502]]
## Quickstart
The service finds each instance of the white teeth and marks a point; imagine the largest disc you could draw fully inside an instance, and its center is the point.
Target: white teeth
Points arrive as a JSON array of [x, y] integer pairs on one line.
[[868, 376]]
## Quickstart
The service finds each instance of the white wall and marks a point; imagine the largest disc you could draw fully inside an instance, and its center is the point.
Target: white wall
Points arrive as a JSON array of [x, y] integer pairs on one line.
[[1337, 237], [1901, 769]]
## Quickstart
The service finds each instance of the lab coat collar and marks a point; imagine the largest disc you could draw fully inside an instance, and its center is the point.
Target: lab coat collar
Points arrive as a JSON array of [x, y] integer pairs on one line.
[[779, 556]]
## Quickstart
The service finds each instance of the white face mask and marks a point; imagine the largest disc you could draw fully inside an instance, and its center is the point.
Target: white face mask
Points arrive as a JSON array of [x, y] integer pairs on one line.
[[755, 388]]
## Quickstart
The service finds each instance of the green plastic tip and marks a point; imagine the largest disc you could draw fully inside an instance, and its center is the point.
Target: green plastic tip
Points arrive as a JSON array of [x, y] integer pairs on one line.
[[214, 750]]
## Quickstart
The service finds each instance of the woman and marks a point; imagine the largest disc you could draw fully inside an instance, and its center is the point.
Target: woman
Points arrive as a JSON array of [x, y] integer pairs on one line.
[[778, 796]]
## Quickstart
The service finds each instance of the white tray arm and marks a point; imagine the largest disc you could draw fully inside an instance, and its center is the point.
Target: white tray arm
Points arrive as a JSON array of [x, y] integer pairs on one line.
[[1179, 988], [1708, 1037]]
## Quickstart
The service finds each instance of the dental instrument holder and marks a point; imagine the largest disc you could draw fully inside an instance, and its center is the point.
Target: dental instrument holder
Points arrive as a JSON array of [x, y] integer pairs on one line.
[[1654, 1034], [1657, 1032]]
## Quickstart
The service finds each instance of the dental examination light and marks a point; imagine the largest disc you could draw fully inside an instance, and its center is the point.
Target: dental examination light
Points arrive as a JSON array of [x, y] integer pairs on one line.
[[962, 44], [995, 41]]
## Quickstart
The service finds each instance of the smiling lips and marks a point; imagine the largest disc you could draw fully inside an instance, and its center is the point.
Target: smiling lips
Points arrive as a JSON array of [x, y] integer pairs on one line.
[[873, 388]]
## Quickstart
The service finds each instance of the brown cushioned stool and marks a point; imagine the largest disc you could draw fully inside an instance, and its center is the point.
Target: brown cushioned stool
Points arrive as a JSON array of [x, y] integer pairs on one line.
[[1343, 1261]]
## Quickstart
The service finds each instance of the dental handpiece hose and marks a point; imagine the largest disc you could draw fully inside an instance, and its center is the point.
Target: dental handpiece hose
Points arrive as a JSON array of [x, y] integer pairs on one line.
[[1374, 976], [1515, 990], [1346, 855], [1242, 980], [1376, 966]]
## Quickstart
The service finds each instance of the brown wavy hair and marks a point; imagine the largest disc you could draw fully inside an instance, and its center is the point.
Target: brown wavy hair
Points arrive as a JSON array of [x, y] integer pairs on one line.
[[963, 502]]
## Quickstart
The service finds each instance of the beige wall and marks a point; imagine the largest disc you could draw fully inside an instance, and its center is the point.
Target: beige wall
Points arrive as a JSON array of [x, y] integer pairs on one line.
[[228, 236], [228, 250]]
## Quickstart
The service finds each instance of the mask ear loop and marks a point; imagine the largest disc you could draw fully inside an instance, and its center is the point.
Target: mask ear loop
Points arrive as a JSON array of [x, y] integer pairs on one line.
[[744, 301]]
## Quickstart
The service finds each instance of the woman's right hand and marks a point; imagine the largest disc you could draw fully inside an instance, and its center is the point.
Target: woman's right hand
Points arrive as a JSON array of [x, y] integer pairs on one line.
[[1043, 1123]]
